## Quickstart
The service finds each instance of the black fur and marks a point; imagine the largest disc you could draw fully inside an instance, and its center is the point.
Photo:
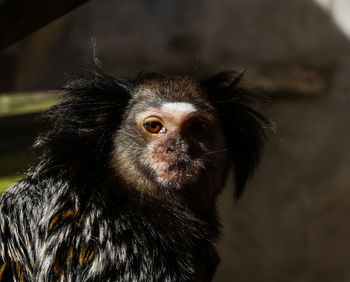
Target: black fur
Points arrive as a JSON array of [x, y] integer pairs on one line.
[[243, 126], [65, 222]]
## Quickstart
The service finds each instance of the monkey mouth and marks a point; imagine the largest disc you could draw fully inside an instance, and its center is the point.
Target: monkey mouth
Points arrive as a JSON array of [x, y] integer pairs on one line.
[[177, 173], [179, 165]]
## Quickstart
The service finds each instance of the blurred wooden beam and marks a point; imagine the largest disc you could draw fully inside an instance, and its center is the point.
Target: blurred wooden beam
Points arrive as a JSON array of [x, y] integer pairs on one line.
[[18, 18], [289, 81]]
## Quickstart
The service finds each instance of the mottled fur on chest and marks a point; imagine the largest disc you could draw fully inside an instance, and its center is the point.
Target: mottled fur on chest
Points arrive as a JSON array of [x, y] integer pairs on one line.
[[85, 240]]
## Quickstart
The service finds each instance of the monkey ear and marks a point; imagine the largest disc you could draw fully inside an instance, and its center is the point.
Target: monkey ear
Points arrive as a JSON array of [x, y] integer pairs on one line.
[[243, 126], [79, 130]]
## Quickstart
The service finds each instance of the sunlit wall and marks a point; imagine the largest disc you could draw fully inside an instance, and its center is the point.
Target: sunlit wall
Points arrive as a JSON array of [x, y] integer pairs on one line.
[[339, 10]]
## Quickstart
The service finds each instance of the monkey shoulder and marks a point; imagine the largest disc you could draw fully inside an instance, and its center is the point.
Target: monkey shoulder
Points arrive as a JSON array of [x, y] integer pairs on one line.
[[51, 231], [21, 209]]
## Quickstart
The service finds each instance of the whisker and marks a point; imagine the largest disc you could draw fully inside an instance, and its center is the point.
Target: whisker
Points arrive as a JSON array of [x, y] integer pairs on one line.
[[217, 151]]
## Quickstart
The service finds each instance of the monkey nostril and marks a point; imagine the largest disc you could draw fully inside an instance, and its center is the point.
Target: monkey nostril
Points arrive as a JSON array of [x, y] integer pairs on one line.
[[171, 149]]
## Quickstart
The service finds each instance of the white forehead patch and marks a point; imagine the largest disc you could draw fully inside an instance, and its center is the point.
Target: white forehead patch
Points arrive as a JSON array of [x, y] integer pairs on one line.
[[179, 107]]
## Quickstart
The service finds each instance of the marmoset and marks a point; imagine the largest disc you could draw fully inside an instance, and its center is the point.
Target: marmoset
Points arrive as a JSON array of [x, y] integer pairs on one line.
[[127, 185]]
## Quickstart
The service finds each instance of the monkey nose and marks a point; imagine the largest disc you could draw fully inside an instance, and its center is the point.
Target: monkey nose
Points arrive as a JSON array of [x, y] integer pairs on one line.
[[170, 145]]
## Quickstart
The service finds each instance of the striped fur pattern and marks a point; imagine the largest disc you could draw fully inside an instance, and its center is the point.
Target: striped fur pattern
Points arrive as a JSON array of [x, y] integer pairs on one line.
[[52, 233]]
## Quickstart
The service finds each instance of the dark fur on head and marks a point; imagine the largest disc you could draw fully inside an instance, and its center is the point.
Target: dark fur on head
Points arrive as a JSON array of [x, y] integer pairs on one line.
[[243, 126], [81, 128], [79, 132], [78, 217]]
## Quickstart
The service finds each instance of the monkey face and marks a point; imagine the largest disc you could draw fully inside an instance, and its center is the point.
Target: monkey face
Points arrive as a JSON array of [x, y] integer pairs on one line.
[[177, 139], [170, 141]]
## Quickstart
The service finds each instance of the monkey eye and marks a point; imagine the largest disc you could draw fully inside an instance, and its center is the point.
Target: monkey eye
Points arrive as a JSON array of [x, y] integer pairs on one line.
[[154, 127], [198, 127]]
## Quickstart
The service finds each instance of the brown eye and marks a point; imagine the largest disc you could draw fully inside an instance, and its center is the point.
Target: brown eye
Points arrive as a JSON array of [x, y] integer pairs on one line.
[[153, 126]]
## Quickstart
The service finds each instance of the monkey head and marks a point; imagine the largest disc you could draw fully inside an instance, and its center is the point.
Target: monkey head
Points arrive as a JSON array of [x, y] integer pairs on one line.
[[170, 138], [155, 133]]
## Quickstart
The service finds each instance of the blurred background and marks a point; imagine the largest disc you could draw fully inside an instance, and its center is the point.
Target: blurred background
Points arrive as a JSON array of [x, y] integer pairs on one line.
[[292, 224]]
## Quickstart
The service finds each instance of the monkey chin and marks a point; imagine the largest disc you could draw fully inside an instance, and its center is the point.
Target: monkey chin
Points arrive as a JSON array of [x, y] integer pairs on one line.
[[177, 174]]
